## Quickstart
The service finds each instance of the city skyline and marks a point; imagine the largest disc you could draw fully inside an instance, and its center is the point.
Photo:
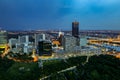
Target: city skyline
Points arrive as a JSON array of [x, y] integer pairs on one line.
[[59, 14]]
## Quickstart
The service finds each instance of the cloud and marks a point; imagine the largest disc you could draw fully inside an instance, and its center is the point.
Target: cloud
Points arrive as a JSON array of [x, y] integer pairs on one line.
[[50, 13], [87, 3]]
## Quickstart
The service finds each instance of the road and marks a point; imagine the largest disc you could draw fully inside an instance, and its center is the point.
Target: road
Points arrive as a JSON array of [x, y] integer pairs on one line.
[[67, 69]]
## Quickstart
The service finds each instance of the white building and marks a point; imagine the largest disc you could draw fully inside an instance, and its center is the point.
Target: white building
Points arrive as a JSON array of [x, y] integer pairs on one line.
[[23, 39], [23, 44], [60, 33], [13, 42], [39, 37], [27, 48]]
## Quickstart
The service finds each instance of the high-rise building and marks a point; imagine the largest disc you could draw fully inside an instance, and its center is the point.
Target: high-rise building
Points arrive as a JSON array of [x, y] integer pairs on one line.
[[3, 40], [24, 44], [3, 37], [23, 39], [13, 42], [69, 43], [75, 32], [44, 48], [75, 29], [39, 37]]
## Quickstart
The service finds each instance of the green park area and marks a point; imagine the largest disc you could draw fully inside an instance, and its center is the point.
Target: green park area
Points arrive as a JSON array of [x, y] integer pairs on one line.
[[102, 67]]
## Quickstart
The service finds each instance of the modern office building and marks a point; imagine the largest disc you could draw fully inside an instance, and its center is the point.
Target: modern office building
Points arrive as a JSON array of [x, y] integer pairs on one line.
[[75, 29], [13, 42], [44, 48], [69, 43], [23, 44], [83, 41], [75, 32], [39, 37], [23, 39], [27, 48], [3, 40]]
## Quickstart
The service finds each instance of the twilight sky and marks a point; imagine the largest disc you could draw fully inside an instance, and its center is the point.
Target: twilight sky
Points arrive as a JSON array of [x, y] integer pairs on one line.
[[59, 14]]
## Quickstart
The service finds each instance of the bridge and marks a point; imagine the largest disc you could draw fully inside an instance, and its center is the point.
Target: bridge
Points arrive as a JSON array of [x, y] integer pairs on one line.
[[104, 40], [111, 44]]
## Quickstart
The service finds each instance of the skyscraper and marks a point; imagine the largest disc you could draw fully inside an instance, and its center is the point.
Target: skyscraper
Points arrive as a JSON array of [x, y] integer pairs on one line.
[[75, 29]]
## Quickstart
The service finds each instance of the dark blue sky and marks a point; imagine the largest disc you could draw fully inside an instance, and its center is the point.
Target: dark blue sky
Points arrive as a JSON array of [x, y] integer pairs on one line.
[[59, 14]]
